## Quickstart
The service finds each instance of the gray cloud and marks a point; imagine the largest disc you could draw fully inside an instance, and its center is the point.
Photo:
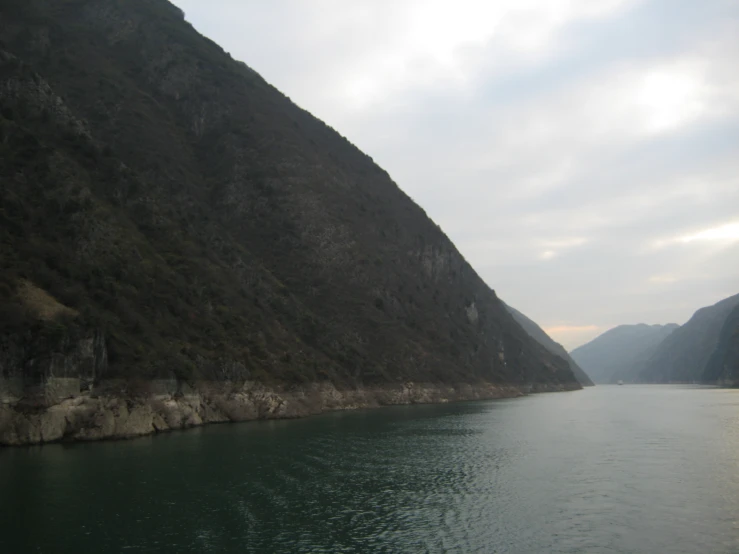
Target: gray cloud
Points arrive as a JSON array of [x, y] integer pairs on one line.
[[569, 149]]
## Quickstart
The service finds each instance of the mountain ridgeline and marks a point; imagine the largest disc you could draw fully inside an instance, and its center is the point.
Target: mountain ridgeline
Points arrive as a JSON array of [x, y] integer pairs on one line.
[[538, 334], [723, 366], [174, 228], [683, 356], [703, 350], [620, 352]]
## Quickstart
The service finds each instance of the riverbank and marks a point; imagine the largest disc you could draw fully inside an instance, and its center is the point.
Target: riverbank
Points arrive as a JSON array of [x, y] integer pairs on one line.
[[103, 414]]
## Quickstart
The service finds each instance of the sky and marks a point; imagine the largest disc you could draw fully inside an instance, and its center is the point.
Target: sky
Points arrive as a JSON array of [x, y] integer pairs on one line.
[[583, 155]]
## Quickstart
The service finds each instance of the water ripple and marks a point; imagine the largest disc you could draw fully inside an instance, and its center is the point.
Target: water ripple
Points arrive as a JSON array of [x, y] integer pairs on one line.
[[620, 469]]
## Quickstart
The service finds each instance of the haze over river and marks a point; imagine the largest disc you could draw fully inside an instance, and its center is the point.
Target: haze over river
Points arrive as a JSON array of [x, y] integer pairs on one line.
[[631, 469]]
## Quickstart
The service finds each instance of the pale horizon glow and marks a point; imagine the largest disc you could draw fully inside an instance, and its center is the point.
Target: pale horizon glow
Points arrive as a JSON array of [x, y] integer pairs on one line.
[[565, 333], [581, 154]]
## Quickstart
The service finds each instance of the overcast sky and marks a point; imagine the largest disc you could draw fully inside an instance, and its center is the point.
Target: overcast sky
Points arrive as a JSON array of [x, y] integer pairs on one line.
[[583, 155]]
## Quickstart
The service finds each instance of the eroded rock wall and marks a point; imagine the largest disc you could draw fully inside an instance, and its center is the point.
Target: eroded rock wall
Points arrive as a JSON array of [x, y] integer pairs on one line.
[[92, 416]]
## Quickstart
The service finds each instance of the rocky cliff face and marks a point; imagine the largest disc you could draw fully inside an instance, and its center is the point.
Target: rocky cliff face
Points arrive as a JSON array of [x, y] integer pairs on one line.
[[167, 214], [540, 336], [124, 409]]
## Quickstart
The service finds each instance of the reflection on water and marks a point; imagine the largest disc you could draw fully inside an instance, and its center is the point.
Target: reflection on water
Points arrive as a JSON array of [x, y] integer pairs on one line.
[[610, 469]]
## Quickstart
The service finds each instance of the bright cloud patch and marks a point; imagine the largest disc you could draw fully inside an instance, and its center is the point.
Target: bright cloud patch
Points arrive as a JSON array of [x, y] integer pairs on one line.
[[722, 233], [671, 98], [433, 41], [556, 247]]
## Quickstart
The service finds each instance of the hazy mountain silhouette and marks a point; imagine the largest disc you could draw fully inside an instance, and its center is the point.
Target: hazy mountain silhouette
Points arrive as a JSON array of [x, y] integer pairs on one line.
[[723, 366], [619, 353], [684, 355]]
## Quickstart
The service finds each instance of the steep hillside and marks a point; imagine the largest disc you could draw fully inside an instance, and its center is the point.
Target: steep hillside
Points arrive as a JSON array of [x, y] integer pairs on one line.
[[723, 366], [620, 352], [169, 219], [683, 356], [538, 334]]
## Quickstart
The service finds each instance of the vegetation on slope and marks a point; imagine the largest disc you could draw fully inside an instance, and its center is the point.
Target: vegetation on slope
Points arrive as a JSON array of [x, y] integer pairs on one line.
[[164, 196], [540, 336]]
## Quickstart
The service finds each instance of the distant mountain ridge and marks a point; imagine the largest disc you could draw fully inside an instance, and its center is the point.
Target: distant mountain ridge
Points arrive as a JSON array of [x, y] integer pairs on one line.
[[703, 350], [684, 355], [538, 334], [620, 352], [723, 367]]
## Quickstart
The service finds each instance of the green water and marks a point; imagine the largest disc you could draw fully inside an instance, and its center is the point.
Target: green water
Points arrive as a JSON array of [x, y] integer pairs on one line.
[[610, 469]]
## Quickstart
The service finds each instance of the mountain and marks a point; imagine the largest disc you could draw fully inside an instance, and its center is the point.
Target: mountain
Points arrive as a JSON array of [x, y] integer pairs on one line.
[[540, 336], [619, 353], [180, 243], [684, 355], [723, 366], [703, 350]]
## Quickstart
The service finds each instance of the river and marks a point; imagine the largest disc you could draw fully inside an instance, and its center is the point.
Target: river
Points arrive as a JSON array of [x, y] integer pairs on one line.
[[631, 469]]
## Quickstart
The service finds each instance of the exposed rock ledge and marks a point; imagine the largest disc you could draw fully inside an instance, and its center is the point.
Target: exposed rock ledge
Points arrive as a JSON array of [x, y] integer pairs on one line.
[[107, 415]]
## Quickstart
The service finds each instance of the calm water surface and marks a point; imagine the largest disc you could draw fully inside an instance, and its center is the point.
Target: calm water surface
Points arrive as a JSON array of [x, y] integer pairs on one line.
[[612, 469]]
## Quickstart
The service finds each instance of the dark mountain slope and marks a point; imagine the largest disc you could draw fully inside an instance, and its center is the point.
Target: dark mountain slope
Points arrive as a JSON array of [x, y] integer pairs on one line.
[[684, 355], [620, 352], [167, 213], [538, 334], [723, 366]]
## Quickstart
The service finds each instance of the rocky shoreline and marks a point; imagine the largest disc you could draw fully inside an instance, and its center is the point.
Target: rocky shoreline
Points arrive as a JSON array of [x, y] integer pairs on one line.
[[107, 414]]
